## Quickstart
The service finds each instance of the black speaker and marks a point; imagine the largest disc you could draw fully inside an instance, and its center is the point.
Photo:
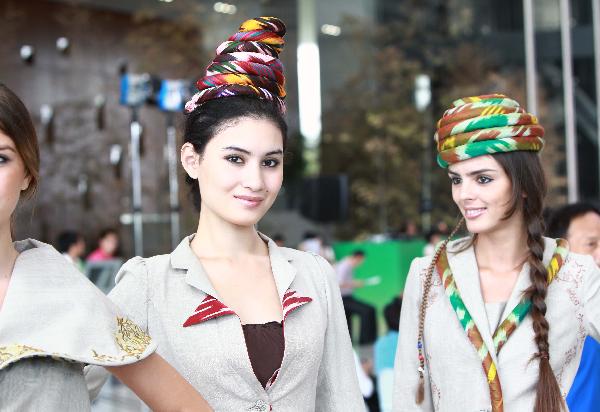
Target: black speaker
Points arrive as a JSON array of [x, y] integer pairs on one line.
[[325, 198]]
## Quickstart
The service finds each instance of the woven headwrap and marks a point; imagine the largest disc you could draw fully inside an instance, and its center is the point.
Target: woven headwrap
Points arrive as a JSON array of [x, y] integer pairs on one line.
[[487, 124], [246, 65]]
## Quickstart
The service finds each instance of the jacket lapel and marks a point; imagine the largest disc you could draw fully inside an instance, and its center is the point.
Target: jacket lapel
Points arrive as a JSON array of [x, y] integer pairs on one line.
[[285, 273], [524, 281], [211, 306], [466, 275]]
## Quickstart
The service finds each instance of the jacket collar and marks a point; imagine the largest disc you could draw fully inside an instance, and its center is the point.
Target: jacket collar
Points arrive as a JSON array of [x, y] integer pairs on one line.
[[284, 273], [463, 264]]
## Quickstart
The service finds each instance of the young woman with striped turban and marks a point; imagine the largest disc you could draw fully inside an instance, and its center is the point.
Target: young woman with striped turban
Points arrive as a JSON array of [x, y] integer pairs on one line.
[[220, 303], [495, 321]]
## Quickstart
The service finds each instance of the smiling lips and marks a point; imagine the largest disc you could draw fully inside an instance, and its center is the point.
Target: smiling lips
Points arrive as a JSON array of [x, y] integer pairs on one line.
[[250, 201], [473, 213]]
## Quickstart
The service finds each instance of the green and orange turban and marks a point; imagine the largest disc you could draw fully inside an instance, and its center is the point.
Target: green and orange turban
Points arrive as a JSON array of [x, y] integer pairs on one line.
[[488, 124], [247, 64]]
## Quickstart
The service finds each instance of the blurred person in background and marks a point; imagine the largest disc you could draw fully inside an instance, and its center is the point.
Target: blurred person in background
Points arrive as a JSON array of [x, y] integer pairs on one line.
[[433, 238], [314, 243], [385, 353], [54, 321], [217, 305], [352, 306], [108, 244], [579, 223], [494, 321], [72, 246]]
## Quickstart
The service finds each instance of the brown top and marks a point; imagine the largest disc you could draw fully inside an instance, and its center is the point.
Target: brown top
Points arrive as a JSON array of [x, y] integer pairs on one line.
[[265, 346]]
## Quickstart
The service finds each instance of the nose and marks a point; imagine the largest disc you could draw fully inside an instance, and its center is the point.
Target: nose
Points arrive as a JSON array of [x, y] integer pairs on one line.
[[466, 191], [253, 177]]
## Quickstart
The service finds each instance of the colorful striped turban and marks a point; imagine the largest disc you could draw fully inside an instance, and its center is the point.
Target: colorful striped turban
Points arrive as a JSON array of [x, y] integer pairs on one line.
[[246, 65], [487, 124]]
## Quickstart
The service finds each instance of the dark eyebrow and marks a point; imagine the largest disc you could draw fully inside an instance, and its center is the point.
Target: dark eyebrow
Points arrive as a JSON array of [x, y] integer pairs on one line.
[[473, 173], [239, 149], [7, 148]]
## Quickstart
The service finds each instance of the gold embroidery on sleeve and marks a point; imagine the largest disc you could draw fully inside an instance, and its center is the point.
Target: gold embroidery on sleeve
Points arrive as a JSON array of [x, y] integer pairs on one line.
[[130, 338]]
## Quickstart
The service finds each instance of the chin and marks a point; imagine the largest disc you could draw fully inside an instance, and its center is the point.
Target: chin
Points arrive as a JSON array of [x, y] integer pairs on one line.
[[244, 219], [478, 227]]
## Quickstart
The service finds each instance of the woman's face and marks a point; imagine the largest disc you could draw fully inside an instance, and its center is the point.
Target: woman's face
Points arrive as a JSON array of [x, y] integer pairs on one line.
[[13, 178], [241, 171], [482, 191]]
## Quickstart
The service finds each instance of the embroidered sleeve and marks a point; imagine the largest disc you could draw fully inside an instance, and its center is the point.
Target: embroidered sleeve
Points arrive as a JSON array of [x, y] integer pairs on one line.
[[130, 294], [591, 290]]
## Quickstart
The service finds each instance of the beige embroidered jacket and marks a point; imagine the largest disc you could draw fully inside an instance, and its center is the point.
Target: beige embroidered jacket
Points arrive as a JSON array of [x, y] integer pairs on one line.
[[52, 315], [454, 379], [173, 299]]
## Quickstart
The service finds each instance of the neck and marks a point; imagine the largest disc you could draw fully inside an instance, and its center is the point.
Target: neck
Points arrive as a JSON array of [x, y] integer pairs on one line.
[[503, 250], [8, 253], [216, 237]]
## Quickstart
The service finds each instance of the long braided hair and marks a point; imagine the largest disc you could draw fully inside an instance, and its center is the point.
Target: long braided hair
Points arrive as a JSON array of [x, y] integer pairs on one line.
[[528, 182]]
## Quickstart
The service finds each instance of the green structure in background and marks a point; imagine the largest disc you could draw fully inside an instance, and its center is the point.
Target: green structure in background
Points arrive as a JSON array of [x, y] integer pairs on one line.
[[389, 260]]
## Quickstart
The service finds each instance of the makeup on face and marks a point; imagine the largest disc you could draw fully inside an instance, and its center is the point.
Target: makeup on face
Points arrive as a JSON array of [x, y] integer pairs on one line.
[[482, 191], [241, 171]]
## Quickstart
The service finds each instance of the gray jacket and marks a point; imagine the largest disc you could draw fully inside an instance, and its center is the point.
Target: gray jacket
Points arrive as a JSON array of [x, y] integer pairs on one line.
[[162, 293]]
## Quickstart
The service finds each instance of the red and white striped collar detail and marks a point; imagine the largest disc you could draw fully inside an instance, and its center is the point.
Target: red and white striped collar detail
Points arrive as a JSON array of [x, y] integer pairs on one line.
[[292, 301], [212, 308]]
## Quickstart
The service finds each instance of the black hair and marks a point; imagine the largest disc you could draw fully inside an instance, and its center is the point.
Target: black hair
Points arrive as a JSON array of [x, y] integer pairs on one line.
[[66, 240], [211, 117], [108, 231], [561, 219], [391, 313], [309, 235], [359, 253], [432, 233]]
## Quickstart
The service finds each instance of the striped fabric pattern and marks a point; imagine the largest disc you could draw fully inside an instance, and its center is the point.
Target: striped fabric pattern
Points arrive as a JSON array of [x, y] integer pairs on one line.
[[212, 308], [247, 64], [488, 124], [504, 330]]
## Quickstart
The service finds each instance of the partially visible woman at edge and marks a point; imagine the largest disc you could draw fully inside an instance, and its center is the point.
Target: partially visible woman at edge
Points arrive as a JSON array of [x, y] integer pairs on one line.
[[220, 302], [495, 321], [53, 321]]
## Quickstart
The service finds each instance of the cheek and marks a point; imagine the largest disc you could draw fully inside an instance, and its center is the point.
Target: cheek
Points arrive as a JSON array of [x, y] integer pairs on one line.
[[274, 181], [455, 193]]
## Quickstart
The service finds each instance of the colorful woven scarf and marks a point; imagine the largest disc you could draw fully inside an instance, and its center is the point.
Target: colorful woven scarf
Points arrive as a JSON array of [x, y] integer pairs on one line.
[[487, 124], [504, 330], [246, 65]]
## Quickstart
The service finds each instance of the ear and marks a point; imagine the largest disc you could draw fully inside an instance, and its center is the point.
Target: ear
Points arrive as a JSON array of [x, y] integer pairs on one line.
[[26, 182], [190, 160]]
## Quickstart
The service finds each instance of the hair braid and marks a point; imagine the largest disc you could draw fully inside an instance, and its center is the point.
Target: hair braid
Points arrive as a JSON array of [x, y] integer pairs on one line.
[[423, 308], [548, 397]]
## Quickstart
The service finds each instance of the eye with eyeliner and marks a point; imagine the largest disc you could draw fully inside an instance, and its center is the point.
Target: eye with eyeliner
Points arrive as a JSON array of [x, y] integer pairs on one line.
[[455, 180], [236, 159], [4, 159], [483, 179], [271, 163]]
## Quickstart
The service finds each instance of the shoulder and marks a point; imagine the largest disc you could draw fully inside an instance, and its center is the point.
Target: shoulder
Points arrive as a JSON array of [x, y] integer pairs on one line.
[[39, 258], [578, 263], [153, 266], [302, 259]]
